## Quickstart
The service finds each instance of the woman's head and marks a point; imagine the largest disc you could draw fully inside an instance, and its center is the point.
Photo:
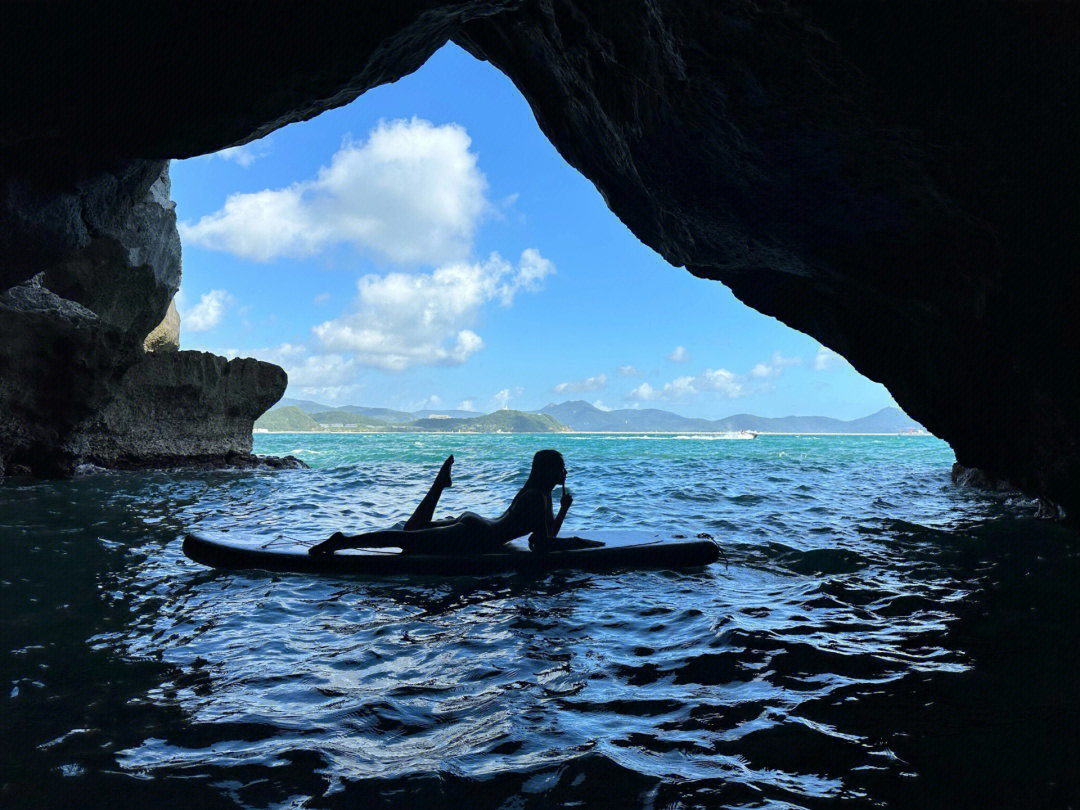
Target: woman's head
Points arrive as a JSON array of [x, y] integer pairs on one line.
[[548, 469]]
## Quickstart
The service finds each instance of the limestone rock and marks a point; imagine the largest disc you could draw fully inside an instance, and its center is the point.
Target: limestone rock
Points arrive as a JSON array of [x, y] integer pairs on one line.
[[59, 363], [74, 388], [165, 337], [172, 408]]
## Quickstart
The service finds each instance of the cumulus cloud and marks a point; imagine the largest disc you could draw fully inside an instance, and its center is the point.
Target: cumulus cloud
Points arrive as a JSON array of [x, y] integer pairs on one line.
[[412, 193], [587, 384], [679, 355], [431, 403], [600, 406], [243, 155], [467, 405], [410, 319], [326, 377], [627, 371], [501, 399], [718, 381], [774, 367], [826, 359], [208, 313]]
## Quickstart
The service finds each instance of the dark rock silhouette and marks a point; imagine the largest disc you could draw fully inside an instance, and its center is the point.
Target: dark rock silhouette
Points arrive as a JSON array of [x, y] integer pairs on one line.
[[75, 383], [897, 180], [172, 407]]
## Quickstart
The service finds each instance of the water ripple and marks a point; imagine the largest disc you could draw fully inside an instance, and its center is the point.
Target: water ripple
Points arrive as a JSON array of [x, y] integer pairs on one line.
[[807, 668]]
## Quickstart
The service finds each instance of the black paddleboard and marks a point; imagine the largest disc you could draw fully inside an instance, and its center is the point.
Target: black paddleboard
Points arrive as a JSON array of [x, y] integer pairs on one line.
[[621, 549]]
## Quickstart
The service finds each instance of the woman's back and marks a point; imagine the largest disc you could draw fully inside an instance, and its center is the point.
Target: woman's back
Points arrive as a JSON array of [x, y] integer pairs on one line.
[[524, 515]]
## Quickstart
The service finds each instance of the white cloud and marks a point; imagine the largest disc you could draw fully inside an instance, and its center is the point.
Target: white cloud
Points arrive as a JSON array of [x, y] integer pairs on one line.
[[719, 381], [208, 313], [322, 298], [826, 359], [403, 320], [501, 399], [722, 382], [243, 155], [587, 384], [679, 355], [599, 405], [627, 371], [643, 392], [431, 403], [326, 376], [774, 367], [411, 193], [467, 405]]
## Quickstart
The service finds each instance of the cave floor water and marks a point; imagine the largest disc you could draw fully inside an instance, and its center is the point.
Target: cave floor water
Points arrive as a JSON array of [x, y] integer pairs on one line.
[[873, 638]]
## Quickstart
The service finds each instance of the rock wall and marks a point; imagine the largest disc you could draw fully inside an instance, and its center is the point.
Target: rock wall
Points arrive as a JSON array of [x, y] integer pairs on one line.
[[173, 408], [76, 384], [896, 179], [59, 363]]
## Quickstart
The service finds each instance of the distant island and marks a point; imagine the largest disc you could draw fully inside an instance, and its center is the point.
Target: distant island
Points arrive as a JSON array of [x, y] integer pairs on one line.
[[305, 416]]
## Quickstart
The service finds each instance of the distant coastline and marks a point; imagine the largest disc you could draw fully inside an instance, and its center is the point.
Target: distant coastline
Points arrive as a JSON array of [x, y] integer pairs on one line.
[[305, 416]]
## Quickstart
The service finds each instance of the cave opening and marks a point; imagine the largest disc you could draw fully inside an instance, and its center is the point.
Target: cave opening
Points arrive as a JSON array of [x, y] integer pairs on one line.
[[426, 248]]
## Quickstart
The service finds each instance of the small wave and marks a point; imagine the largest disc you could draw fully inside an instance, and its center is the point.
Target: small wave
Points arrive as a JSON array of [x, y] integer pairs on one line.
[[712, 437], [824, 561], [747, 499]]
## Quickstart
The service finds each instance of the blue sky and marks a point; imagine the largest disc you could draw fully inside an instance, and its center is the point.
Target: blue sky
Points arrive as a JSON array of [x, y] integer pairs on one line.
[[426, 246]]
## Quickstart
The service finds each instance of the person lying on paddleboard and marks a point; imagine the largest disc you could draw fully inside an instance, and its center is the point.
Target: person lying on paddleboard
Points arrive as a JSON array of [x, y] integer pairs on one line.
[[529, 513]]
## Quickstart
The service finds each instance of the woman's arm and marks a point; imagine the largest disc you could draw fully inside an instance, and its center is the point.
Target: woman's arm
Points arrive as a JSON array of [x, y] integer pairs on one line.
[[541, 540], [564, 507]]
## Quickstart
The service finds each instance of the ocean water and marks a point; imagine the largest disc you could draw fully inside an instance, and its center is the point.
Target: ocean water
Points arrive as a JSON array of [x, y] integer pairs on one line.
[[873, 637]]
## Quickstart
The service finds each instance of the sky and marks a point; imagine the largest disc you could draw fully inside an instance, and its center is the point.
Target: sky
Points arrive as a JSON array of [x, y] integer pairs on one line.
[[426, 247]]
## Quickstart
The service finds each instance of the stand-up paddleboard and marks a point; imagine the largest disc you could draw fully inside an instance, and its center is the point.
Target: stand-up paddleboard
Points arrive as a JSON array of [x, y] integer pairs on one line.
[[621, 549]]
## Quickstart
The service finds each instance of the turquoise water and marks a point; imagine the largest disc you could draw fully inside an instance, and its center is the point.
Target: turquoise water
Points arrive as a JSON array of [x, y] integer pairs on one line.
[[876, 637]]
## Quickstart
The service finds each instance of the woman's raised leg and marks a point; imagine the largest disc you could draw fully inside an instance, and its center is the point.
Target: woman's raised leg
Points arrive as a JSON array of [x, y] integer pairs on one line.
[[421, 518]]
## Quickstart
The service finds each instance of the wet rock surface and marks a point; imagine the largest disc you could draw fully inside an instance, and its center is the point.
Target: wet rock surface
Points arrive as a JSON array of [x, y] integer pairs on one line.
[[897, 181], [172, 408], [59, 363], [76, 385]]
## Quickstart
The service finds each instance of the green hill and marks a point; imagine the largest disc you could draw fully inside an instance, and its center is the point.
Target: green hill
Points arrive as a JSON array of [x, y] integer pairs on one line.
[[504, 421], [332, 419], [287, 418]]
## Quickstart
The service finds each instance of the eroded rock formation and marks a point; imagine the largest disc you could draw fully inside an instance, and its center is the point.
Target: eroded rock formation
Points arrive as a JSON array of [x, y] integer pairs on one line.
[[165, 337], [59, 363], [76, 384], [897, 180], [173, 408]]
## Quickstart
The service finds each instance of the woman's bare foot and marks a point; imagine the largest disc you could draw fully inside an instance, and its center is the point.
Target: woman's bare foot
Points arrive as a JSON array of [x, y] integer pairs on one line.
[[443, 478], [327, 546]]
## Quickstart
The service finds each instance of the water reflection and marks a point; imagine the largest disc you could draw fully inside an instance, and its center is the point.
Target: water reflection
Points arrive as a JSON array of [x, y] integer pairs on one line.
[[915, 656]]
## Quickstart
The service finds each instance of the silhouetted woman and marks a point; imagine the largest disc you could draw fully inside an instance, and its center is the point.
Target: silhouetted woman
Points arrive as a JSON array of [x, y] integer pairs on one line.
[[529, 513]]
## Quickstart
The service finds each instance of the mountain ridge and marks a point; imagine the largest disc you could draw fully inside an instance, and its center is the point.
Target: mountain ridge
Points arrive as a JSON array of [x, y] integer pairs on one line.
[[583, 417]]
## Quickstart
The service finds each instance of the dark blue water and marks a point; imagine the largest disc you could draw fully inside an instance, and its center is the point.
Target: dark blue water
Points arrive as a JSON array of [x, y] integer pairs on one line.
[[875, 638]]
